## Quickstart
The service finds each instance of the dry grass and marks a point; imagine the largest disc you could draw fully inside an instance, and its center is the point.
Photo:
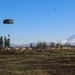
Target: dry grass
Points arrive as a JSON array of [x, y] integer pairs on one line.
[[43, 62]]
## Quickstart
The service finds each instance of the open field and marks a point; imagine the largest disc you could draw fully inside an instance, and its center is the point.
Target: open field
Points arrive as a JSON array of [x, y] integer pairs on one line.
[[37, 62]]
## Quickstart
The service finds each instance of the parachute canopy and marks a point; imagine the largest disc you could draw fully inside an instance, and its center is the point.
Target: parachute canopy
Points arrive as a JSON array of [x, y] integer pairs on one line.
[[8, 21]]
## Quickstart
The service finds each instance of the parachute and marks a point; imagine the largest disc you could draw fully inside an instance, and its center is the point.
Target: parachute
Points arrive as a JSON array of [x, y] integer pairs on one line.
[[8, 27], [8, 21]]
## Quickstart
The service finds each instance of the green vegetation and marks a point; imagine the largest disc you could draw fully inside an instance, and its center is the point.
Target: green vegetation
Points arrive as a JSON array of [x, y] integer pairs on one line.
[[37, 62]]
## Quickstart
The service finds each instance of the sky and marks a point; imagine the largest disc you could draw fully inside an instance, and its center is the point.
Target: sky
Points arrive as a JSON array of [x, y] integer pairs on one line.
[[37, 20]]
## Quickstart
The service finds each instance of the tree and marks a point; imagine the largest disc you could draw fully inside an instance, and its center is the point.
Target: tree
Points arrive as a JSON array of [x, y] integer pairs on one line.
[[52, 45], [44, 45], [31, 46], [6, 42], [67, 44], [41, 45], [1, 42]]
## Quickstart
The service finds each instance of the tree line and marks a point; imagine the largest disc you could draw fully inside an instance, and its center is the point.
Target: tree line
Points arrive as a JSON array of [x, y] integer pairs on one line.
[[44, 45]]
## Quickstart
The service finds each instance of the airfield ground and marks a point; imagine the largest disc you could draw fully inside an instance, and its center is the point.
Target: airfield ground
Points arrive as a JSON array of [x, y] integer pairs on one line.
[[38, 62]]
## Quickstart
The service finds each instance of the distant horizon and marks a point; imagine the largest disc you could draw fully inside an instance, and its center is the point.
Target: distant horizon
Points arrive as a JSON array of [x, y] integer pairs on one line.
[[37, 20], [60, 41]]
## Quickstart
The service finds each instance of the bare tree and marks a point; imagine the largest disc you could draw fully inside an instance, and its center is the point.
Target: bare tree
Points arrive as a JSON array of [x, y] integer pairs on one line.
[[67, 44], [41, 45], [1, 42], [52, 45]]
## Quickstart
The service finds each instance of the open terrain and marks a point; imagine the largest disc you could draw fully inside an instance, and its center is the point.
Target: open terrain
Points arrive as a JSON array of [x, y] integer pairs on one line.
[[37, 62]]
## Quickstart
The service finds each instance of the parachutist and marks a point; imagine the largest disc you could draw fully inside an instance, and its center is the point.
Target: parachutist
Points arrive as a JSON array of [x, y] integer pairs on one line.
[[7, 41], [8, 35]]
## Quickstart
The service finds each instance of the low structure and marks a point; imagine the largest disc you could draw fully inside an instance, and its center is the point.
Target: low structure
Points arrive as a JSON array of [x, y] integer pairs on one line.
[[66, 48]]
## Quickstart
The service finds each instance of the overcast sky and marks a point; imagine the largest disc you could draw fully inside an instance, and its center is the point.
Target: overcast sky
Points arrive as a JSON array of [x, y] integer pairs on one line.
[[37, 20]]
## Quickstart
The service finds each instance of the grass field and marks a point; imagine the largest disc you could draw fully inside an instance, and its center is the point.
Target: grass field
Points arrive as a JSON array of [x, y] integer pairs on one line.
[[38, 62]]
